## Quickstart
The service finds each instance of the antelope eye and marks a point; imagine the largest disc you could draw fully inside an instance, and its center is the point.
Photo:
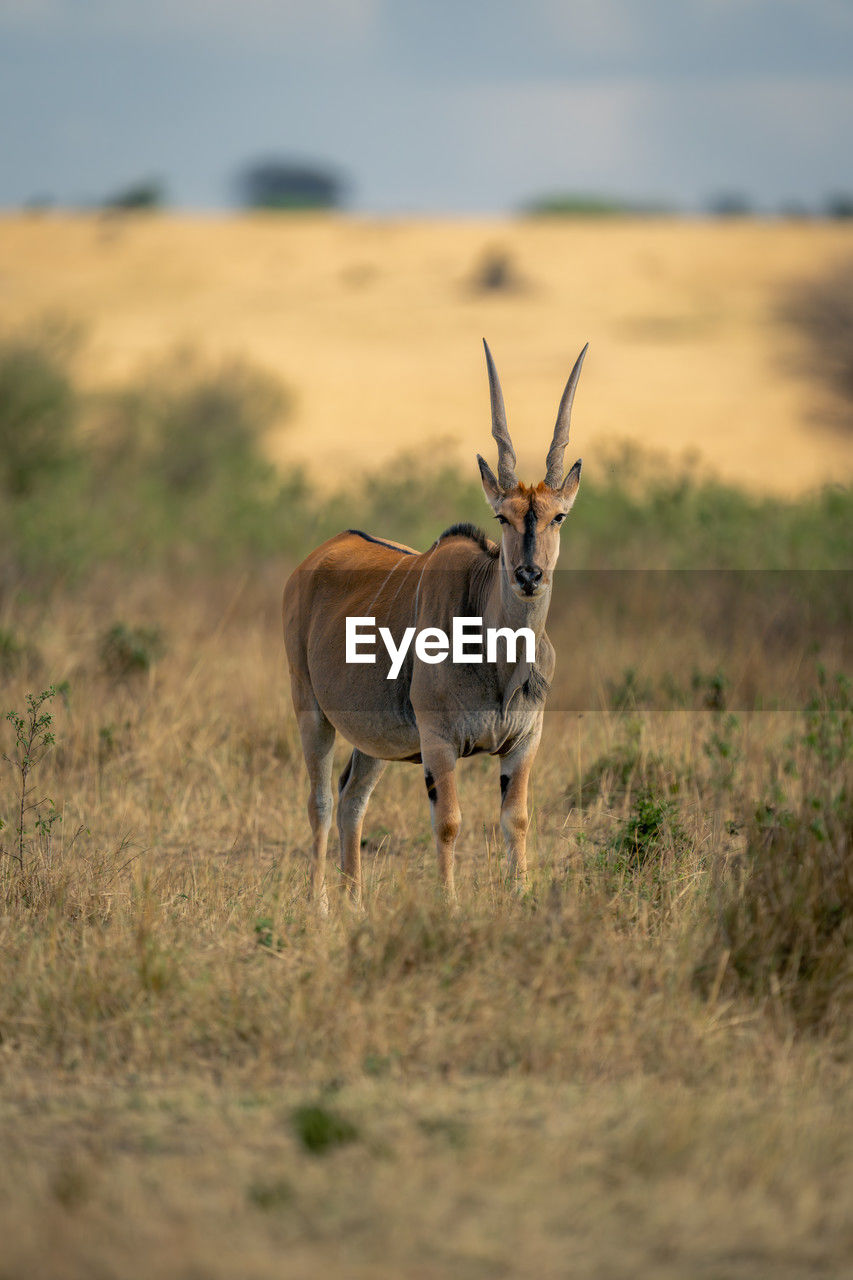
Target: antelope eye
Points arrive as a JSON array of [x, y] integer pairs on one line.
[[560, 518], [502, 519]]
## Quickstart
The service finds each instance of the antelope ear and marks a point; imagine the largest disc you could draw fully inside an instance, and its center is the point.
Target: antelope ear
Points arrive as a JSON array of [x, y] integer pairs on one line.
[[568, 490], [494, 493]]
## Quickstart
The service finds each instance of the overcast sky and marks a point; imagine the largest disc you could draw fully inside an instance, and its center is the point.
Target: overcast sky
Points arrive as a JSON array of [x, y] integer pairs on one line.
[[430, 105]]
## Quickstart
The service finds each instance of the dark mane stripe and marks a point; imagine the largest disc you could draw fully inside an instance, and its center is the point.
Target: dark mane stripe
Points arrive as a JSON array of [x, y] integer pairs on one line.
[[468, 530], [368, 537]]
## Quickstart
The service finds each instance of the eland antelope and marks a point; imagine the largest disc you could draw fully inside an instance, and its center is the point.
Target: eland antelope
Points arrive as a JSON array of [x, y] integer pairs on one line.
[[431, 712]]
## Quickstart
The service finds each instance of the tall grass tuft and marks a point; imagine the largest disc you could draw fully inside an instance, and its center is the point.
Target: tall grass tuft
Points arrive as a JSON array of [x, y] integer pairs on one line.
[[786, 920]]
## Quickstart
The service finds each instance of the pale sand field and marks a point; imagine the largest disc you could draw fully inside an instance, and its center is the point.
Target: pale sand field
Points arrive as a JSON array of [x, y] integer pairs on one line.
[[376, 328]]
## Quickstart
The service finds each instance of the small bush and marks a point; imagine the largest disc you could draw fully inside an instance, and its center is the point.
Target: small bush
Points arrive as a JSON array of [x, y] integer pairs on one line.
[[723, 752], [651, 827], [265, 934], [711, 690], [496, 272], [18, 655], [630, 692], [611, 773], [269, 1194], [127, 651], [10, 651], [189, 426], [617, 772], [454, 1132], [320, 1130]]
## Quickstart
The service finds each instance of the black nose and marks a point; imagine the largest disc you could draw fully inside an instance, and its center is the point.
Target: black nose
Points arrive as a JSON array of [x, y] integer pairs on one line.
[[528, 578]]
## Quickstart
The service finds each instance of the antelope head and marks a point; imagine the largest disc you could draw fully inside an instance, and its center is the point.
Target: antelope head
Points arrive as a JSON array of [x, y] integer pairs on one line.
[[531, 516]]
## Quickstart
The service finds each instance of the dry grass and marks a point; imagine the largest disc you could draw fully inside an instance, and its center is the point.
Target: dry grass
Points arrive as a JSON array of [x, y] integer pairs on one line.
[[641, 1067], [468, 1178], [577, 1080], [688, 350]]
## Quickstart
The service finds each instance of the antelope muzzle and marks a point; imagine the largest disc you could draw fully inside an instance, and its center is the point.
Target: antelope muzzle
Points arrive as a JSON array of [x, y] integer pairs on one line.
[[529, 578]]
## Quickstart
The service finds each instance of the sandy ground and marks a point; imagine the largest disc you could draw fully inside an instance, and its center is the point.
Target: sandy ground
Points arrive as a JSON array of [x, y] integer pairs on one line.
[[376, 328]]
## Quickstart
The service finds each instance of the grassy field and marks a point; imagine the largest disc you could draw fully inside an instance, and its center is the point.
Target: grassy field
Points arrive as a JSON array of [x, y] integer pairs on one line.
[[641, 1067]]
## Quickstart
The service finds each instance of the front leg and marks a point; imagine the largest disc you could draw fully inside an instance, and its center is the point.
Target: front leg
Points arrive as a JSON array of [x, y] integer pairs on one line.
[[439, 761], [515, 775]]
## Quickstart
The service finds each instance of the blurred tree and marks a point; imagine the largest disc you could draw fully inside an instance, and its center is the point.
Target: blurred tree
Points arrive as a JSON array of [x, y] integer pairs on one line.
[[839, 205], [730, 204], [148, 193], [39, 203], [574, 204], [283, 184], [821, 310], [582, 204], [795, 210]]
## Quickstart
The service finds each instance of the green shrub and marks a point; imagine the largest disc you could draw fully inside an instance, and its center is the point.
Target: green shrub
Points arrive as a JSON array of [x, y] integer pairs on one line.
[[189, 426], [11, 651], [270, 1194], [611, 773], [625, 768], [650, 828], [17, 654], [711, 689], [170, 469], [723, 752], [38, 410], [127, 651], [265, 934], [320, 1130], [413, 499], [630, 692]]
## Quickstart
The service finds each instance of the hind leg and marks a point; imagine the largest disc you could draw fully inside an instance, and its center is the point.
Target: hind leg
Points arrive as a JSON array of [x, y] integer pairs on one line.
[[354, 790], [318, 742]]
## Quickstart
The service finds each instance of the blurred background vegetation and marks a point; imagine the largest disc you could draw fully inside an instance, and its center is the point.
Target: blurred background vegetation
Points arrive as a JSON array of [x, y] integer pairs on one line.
[[168, 470]]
